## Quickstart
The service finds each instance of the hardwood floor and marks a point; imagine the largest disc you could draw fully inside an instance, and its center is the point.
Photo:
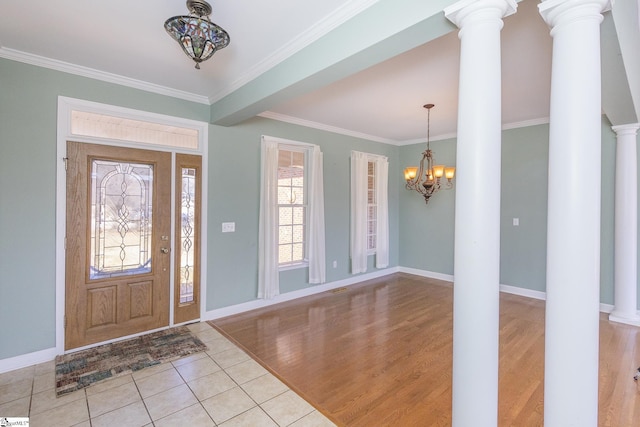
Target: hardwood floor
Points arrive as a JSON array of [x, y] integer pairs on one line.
[[380, 353]]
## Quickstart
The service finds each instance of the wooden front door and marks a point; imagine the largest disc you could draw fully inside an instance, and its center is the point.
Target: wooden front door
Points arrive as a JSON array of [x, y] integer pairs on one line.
[[118, 240]]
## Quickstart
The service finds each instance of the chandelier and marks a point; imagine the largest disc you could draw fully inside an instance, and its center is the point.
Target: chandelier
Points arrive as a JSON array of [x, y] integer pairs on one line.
[[427, 179], [197, 35]]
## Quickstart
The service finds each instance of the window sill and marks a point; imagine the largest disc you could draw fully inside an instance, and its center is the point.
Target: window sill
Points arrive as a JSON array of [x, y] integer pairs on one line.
[[295, 266]]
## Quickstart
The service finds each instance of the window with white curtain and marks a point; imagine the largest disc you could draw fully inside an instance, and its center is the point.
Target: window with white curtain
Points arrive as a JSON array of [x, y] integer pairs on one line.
[[291, 226], [369, 210]]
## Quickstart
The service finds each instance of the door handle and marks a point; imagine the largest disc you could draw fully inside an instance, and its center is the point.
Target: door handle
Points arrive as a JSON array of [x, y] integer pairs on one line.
[[164, 250]]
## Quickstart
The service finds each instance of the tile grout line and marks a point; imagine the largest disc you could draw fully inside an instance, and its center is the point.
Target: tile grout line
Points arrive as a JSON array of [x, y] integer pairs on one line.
[[86, 399], [33, 383], [231, 360], [141, 398], [257, 405], [224, 369], [194, 394], [234, 381]]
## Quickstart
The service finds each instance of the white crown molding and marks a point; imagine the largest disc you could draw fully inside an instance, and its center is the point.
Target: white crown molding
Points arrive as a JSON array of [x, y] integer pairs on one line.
[[79, 70], [320, 126], [424, 140], [335, 19], [341, 15], [506, 126], [347, 132], [526, 123], [319, 29]]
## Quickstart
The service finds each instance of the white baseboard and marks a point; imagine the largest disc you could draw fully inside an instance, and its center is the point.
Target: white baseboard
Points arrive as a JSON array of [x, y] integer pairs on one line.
[[515, 290], [425, 273], [618, 317], [312, 290], [606, 308], [503, 288], [46, 355], [523, 292], [29, 359]]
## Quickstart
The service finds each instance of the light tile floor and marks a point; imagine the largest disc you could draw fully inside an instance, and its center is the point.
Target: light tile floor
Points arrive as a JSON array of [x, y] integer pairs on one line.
[[220, 387]]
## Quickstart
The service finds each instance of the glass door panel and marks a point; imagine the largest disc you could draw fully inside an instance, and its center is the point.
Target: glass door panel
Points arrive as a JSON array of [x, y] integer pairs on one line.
[[187, 257]]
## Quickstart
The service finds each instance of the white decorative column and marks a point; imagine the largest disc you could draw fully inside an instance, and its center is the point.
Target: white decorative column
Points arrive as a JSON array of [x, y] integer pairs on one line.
[[477, 214], [573, 219], [626, 227]]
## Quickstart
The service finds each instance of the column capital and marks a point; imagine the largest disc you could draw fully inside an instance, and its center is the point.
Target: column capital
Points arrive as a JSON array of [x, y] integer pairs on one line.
[[558, 12], [493, 9], [628, 129]]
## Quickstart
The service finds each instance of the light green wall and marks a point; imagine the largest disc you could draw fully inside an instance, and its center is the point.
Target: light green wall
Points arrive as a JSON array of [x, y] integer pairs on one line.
[[421, 236], [28, 120], [235, 152], [426, 232], [27, 191], [523, 248]]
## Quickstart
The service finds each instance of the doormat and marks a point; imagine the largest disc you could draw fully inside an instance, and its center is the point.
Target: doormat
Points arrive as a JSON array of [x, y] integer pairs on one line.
[[75, 371]]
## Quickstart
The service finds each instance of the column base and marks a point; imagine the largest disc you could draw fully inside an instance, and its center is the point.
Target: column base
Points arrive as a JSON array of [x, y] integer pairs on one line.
[[627, 319]]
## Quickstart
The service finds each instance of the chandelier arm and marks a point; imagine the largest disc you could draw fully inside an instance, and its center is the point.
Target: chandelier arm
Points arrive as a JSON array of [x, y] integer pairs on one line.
[[419, 175], [421, 172], [415, 183]]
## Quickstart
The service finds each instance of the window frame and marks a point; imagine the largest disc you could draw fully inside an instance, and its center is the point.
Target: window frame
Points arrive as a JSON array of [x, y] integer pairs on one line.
[[305, 149], [374, 189]]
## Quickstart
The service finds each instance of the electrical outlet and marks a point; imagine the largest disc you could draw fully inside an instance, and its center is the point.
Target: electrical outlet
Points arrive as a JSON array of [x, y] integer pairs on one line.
[[335, 264], [516, 222]]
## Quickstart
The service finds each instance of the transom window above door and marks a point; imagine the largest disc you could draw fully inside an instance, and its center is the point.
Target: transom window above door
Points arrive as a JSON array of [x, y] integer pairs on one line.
[[133, 184], [103, 126]]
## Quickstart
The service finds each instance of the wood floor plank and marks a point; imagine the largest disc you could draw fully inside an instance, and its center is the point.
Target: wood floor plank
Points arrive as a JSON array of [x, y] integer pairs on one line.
[[380, 353]]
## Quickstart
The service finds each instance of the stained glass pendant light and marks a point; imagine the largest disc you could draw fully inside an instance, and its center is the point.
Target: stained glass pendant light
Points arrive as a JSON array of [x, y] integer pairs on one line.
[[197, 35]]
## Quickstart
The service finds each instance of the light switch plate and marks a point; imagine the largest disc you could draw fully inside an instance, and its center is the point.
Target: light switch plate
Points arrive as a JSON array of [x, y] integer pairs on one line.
[[228, 227]]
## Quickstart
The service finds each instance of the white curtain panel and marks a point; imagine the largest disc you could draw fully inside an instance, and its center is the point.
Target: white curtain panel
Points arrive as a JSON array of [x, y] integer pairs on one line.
[[268, 278], [359, 164], [317, 264], [382, 196], [359, 173]]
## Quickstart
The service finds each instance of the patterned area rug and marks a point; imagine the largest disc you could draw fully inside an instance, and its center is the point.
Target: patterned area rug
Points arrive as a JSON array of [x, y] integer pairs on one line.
[[75, 371]]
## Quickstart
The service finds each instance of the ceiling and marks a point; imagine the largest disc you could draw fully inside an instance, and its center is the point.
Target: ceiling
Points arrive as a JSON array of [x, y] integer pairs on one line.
[[376, 96]]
